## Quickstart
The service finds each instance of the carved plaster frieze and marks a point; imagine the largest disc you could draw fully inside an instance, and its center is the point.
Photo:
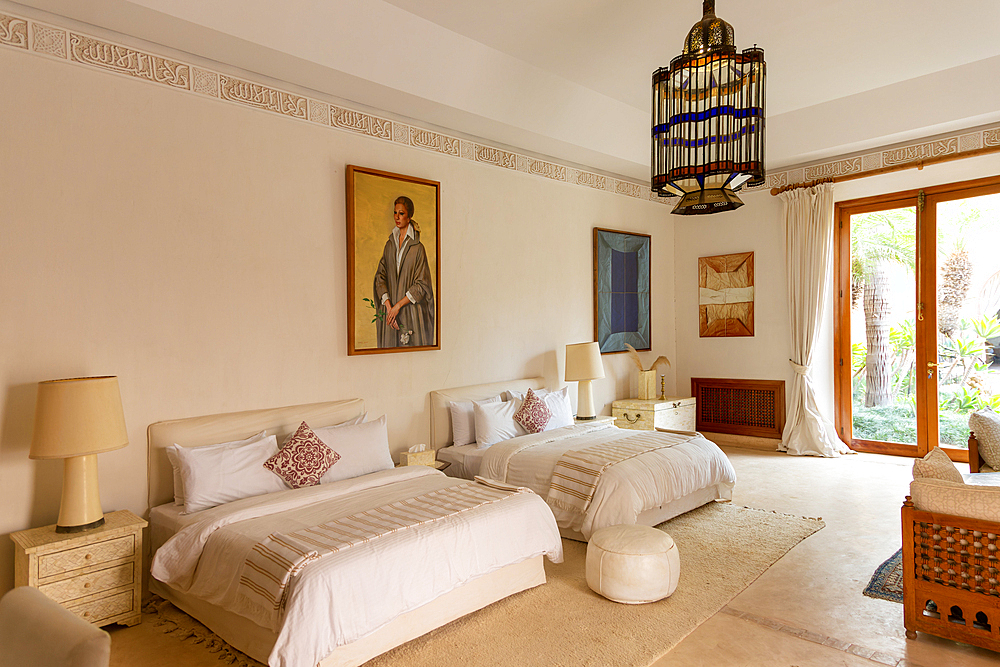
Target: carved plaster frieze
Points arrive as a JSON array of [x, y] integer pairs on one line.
[[123, 60], [261, 97], [48, 40], [13, 32]]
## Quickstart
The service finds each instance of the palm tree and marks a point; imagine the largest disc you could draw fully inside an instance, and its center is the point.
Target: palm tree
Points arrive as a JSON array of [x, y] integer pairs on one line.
[[877, 240]]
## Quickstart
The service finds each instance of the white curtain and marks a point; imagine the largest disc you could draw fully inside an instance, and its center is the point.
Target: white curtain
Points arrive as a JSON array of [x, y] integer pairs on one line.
[[808, 214]]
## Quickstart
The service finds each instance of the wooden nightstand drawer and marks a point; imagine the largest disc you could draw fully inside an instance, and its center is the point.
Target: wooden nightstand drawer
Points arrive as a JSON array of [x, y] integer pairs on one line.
[[94, 573], [96, 611], [85, 556], [91, 583]]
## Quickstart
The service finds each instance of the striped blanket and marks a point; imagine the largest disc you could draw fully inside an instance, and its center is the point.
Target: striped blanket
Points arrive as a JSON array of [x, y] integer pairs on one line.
[[272, 563], [577, 473]]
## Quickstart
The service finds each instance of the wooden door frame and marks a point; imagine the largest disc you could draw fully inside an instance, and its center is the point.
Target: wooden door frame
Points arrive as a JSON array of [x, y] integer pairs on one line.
[[926, 291]]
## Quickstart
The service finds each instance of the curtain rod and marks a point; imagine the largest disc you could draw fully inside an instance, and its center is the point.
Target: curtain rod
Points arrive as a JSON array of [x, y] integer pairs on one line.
[[919, 164]]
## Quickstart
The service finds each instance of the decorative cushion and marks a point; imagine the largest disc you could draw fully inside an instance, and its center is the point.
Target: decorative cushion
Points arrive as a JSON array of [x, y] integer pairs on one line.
[[302, 459], [533, 414], [975, 501], [986, 425], [632, 564], [936, 465]]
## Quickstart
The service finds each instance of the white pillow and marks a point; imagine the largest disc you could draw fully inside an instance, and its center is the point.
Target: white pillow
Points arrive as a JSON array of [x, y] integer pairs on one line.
[[350, 422], [175, 464], [562, 410], [495, 422], [363, 449], [937, 465], [215, 475], [463, 421], [519, 395]]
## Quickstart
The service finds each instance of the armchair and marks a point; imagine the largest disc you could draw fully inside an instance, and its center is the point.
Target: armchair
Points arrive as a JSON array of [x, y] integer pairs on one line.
[[951, 559]]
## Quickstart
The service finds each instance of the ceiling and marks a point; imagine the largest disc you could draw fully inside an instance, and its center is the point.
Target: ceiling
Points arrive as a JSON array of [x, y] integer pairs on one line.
[[570, 79]]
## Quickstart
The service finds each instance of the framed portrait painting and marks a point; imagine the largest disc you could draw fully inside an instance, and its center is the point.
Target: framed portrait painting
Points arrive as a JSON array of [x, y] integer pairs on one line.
[[621, 290], [393, 262]]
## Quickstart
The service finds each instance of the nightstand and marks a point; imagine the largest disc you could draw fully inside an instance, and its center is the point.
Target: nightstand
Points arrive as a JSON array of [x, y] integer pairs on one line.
[[674, 412], [95, 574], [600, 419]]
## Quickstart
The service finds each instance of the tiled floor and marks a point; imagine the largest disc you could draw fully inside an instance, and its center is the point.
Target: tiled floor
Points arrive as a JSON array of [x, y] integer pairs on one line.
[[808, 609]]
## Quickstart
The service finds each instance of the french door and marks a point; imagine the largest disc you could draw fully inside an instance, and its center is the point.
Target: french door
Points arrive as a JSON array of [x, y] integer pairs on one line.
[[917, 315]]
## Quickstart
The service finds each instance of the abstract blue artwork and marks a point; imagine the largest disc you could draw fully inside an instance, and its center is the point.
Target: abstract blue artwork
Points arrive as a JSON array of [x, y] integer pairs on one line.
[[621, 290]]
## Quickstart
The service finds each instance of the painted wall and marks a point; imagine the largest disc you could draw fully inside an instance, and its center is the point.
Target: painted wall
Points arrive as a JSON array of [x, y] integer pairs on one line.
[[197, 250]]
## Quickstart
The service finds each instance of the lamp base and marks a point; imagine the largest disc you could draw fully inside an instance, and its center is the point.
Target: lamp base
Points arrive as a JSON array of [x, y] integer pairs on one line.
[[80, 508], [584, 419], [585, 401], [80, 529]]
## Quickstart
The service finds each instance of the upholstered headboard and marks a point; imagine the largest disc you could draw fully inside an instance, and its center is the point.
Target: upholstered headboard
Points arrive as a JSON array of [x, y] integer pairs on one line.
[[440, 409], [207, 430]]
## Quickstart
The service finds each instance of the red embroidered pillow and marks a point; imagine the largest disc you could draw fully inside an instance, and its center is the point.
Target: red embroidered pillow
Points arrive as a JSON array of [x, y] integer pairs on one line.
[[302, 459], [533, 414]]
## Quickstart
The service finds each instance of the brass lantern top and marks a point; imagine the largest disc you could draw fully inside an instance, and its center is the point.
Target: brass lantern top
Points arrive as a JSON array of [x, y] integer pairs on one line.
[[710, 33]]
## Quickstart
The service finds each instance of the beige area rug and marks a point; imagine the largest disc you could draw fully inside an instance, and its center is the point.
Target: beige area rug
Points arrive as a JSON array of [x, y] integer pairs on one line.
[[723, 549]]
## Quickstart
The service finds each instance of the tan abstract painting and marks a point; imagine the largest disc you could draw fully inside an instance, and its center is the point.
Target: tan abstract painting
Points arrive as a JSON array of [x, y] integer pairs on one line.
[[725, 295]]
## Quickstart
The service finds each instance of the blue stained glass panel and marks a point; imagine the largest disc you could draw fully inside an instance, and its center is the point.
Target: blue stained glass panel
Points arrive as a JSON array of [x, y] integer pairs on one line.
[[622, 290]]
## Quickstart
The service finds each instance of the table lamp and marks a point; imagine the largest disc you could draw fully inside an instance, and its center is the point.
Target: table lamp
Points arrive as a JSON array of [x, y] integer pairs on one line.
[[76, 419], [583, 364]]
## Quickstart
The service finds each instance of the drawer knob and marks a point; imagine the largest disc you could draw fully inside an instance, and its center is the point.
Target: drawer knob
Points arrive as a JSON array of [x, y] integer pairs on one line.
[[638, 416], [86, 613], [87, 585], [88, 556]]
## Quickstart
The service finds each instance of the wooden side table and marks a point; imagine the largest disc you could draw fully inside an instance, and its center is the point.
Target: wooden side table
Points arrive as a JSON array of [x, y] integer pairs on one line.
[[95, 574], [674, 412]]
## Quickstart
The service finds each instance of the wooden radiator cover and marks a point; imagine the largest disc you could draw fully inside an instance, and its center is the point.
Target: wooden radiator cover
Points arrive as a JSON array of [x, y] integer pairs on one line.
[[742, 407]]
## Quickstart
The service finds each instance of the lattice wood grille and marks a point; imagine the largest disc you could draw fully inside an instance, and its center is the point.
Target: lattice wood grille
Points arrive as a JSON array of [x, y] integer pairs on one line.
[[743, 407], [957, 557]]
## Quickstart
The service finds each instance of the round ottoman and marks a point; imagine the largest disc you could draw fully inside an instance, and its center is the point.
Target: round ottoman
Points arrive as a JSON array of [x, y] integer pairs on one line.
[[632, 564]]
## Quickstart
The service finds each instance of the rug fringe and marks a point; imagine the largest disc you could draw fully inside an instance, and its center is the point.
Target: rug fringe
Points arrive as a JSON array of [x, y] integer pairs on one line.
[[794, 516], [156, 608]]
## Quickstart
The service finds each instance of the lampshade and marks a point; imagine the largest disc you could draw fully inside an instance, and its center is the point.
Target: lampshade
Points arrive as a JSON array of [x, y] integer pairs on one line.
[[708, 120], [78, 416], [583, 362]]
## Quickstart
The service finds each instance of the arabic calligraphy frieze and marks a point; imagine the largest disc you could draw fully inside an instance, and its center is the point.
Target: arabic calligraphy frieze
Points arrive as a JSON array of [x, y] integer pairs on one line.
[[262, 97], [123, 60], [920, 152], [356, 121]]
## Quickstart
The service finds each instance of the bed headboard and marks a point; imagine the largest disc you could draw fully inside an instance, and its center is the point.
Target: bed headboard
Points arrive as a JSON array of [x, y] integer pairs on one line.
[[210, 429], [441, 413]]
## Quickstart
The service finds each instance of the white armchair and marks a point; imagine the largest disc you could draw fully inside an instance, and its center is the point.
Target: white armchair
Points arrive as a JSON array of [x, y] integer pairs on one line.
[[37, 631]]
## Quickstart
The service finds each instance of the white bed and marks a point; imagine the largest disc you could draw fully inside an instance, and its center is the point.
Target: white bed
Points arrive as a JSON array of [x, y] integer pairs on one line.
[[348, 607], [647, 489]]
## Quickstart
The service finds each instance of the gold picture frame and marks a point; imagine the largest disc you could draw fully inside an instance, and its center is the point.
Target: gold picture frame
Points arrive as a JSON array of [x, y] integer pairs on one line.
[[381, 207]]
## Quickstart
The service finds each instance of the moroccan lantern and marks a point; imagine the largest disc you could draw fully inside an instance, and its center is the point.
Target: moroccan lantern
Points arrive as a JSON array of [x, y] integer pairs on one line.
[[708, 120]]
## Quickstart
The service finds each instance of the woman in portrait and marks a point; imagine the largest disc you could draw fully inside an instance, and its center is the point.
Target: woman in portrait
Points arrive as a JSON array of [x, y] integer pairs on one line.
[[403, 286]]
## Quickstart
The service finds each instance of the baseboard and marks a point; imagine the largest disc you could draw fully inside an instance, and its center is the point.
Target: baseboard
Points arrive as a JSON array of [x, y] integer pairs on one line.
[[745, 441]]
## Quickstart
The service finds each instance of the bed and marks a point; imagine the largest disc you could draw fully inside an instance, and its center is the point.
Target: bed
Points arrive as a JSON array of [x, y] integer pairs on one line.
[[354, 603], [676, 472]]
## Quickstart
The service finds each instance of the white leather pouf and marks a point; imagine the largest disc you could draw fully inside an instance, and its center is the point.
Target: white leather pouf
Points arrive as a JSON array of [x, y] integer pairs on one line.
[[632, 564]]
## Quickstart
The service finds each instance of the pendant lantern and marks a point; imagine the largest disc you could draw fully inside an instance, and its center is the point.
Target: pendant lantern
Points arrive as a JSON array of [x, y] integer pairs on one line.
[[708, 120]]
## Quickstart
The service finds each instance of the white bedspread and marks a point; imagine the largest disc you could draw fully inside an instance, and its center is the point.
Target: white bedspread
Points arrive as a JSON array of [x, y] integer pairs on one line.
[[626, 489], [344, 597]]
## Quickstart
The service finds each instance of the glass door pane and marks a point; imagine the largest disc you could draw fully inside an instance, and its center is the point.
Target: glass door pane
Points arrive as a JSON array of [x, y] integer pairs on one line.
[[968, 312], [882, 326]]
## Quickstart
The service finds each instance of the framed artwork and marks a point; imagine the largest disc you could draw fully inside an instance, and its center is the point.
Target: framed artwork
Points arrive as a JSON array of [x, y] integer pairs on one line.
[[621, 290], [393, 262], [725, 295]]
